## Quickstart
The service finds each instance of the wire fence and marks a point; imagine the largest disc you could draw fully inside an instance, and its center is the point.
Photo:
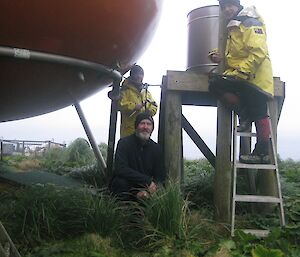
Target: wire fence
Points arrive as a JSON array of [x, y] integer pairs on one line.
[[26, 147]]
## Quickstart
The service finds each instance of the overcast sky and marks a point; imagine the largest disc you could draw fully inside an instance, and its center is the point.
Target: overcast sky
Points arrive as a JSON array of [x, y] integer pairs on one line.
[[168, 51]]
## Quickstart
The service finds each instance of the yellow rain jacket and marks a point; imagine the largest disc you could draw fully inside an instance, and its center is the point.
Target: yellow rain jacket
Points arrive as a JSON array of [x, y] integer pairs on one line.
[[246, 50], [130, 96]]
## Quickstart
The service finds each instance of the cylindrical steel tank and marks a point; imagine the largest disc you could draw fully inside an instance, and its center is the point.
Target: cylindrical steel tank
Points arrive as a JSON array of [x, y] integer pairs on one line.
[[203, 31]]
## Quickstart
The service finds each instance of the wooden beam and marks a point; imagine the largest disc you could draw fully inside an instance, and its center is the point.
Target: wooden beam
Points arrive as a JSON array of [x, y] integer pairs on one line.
[[279, 93], [173, 136], [223, 175], [193, 81], [187, 81], [279, 87], [198, 141]]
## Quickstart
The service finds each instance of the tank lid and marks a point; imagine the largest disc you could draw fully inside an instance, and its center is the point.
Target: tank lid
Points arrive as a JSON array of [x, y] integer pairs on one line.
[[214, 5]]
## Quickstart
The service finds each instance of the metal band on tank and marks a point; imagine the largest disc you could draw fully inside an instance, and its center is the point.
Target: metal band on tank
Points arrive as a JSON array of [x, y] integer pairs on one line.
[[53, 58]]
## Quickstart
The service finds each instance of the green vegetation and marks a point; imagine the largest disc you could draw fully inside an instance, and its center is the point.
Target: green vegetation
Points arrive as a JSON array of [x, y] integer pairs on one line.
[[63, 160], [61, 222], [77, 161]]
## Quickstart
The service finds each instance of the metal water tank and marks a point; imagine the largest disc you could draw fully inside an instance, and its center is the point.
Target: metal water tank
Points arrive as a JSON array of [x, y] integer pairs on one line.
[[203, 30]]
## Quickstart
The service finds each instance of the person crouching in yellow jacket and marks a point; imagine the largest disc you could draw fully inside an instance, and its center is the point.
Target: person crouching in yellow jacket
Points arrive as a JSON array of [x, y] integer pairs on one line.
[[134, 99], [247, 83]]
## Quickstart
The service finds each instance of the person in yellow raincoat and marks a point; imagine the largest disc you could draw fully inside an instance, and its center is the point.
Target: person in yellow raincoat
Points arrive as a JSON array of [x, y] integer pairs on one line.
[[247, 83], [134, 99]]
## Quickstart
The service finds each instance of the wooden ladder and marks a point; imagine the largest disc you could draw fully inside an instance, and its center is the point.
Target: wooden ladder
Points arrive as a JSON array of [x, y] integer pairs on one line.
[[273, 167], [7, 247]]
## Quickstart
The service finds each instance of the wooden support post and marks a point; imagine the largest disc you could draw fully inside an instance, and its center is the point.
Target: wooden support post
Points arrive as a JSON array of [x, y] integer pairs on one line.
[[114, 96], [223, 175], [173, 135], [267, 179]]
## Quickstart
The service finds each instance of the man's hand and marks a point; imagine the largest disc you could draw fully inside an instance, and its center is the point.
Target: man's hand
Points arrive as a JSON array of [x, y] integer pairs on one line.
[[142, 195], [138, 107], [152, 188], [215, 56]]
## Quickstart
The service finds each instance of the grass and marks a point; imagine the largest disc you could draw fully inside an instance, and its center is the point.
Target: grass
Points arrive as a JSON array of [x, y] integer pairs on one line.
[[32, 215], [37, 215], [50, 221]]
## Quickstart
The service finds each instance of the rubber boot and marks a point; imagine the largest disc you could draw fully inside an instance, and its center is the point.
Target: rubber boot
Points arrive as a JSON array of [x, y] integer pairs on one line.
[[245, 122], [244, 125], [260, 154]]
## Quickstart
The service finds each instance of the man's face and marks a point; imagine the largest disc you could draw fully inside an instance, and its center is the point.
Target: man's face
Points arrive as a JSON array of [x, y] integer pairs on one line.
[[144, 129], [138, 77], [229, 10]]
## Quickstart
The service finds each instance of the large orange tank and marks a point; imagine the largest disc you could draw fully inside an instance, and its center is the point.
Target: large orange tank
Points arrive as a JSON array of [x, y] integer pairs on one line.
[[113, 33]]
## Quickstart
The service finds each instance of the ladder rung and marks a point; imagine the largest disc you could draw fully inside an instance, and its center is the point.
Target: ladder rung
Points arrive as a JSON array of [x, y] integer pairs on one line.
[[241, 165], [256, 199], [246, 134], [257, 232]]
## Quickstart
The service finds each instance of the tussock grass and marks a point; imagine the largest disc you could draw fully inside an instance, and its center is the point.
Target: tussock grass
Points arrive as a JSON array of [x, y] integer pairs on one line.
[[165, 222], [19, 162], [32, 215], [162, 224], [156, 221], [29, 164]]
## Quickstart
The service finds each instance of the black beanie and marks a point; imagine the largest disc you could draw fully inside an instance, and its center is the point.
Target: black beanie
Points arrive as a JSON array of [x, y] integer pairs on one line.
[[143, 116], [234, 2], [136, 69]]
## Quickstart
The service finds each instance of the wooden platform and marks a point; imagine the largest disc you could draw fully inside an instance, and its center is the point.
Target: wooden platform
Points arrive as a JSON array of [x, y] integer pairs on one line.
[[193, 87]]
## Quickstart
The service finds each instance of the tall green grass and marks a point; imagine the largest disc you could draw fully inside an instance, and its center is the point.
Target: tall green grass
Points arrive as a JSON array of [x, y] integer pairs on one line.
[[165, 221], [38, 214], [34, 214], [166, 211], [198, 182], [157, 218]]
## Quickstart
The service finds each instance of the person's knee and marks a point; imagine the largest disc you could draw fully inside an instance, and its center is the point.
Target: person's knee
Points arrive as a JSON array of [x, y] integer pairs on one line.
[[119, 186], [231, 100]]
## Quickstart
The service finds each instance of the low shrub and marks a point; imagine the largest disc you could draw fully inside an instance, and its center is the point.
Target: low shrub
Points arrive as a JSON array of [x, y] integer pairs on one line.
[[198, 182]]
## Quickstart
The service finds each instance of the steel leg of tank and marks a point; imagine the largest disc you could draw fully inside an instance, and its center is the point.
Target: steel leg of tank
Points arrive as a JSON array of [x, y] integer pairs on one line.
[[91, 138], [114, 96], [1, 150]]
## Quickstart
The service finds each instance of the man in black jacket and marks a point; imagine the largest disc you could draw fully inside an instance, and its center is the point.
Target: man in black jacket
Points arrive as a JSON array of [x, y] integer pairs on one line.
[[139, 166]]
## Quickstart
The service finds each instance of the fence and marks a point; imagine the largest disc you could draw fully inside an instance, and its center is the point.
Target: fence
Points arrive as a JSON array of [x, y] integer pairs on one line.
[[23, 147]]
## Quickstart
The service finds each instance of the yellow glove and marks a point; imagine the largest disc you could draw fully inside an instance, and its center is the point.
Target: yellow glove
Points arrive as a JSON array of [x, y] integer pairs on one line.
[[214, 51]]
